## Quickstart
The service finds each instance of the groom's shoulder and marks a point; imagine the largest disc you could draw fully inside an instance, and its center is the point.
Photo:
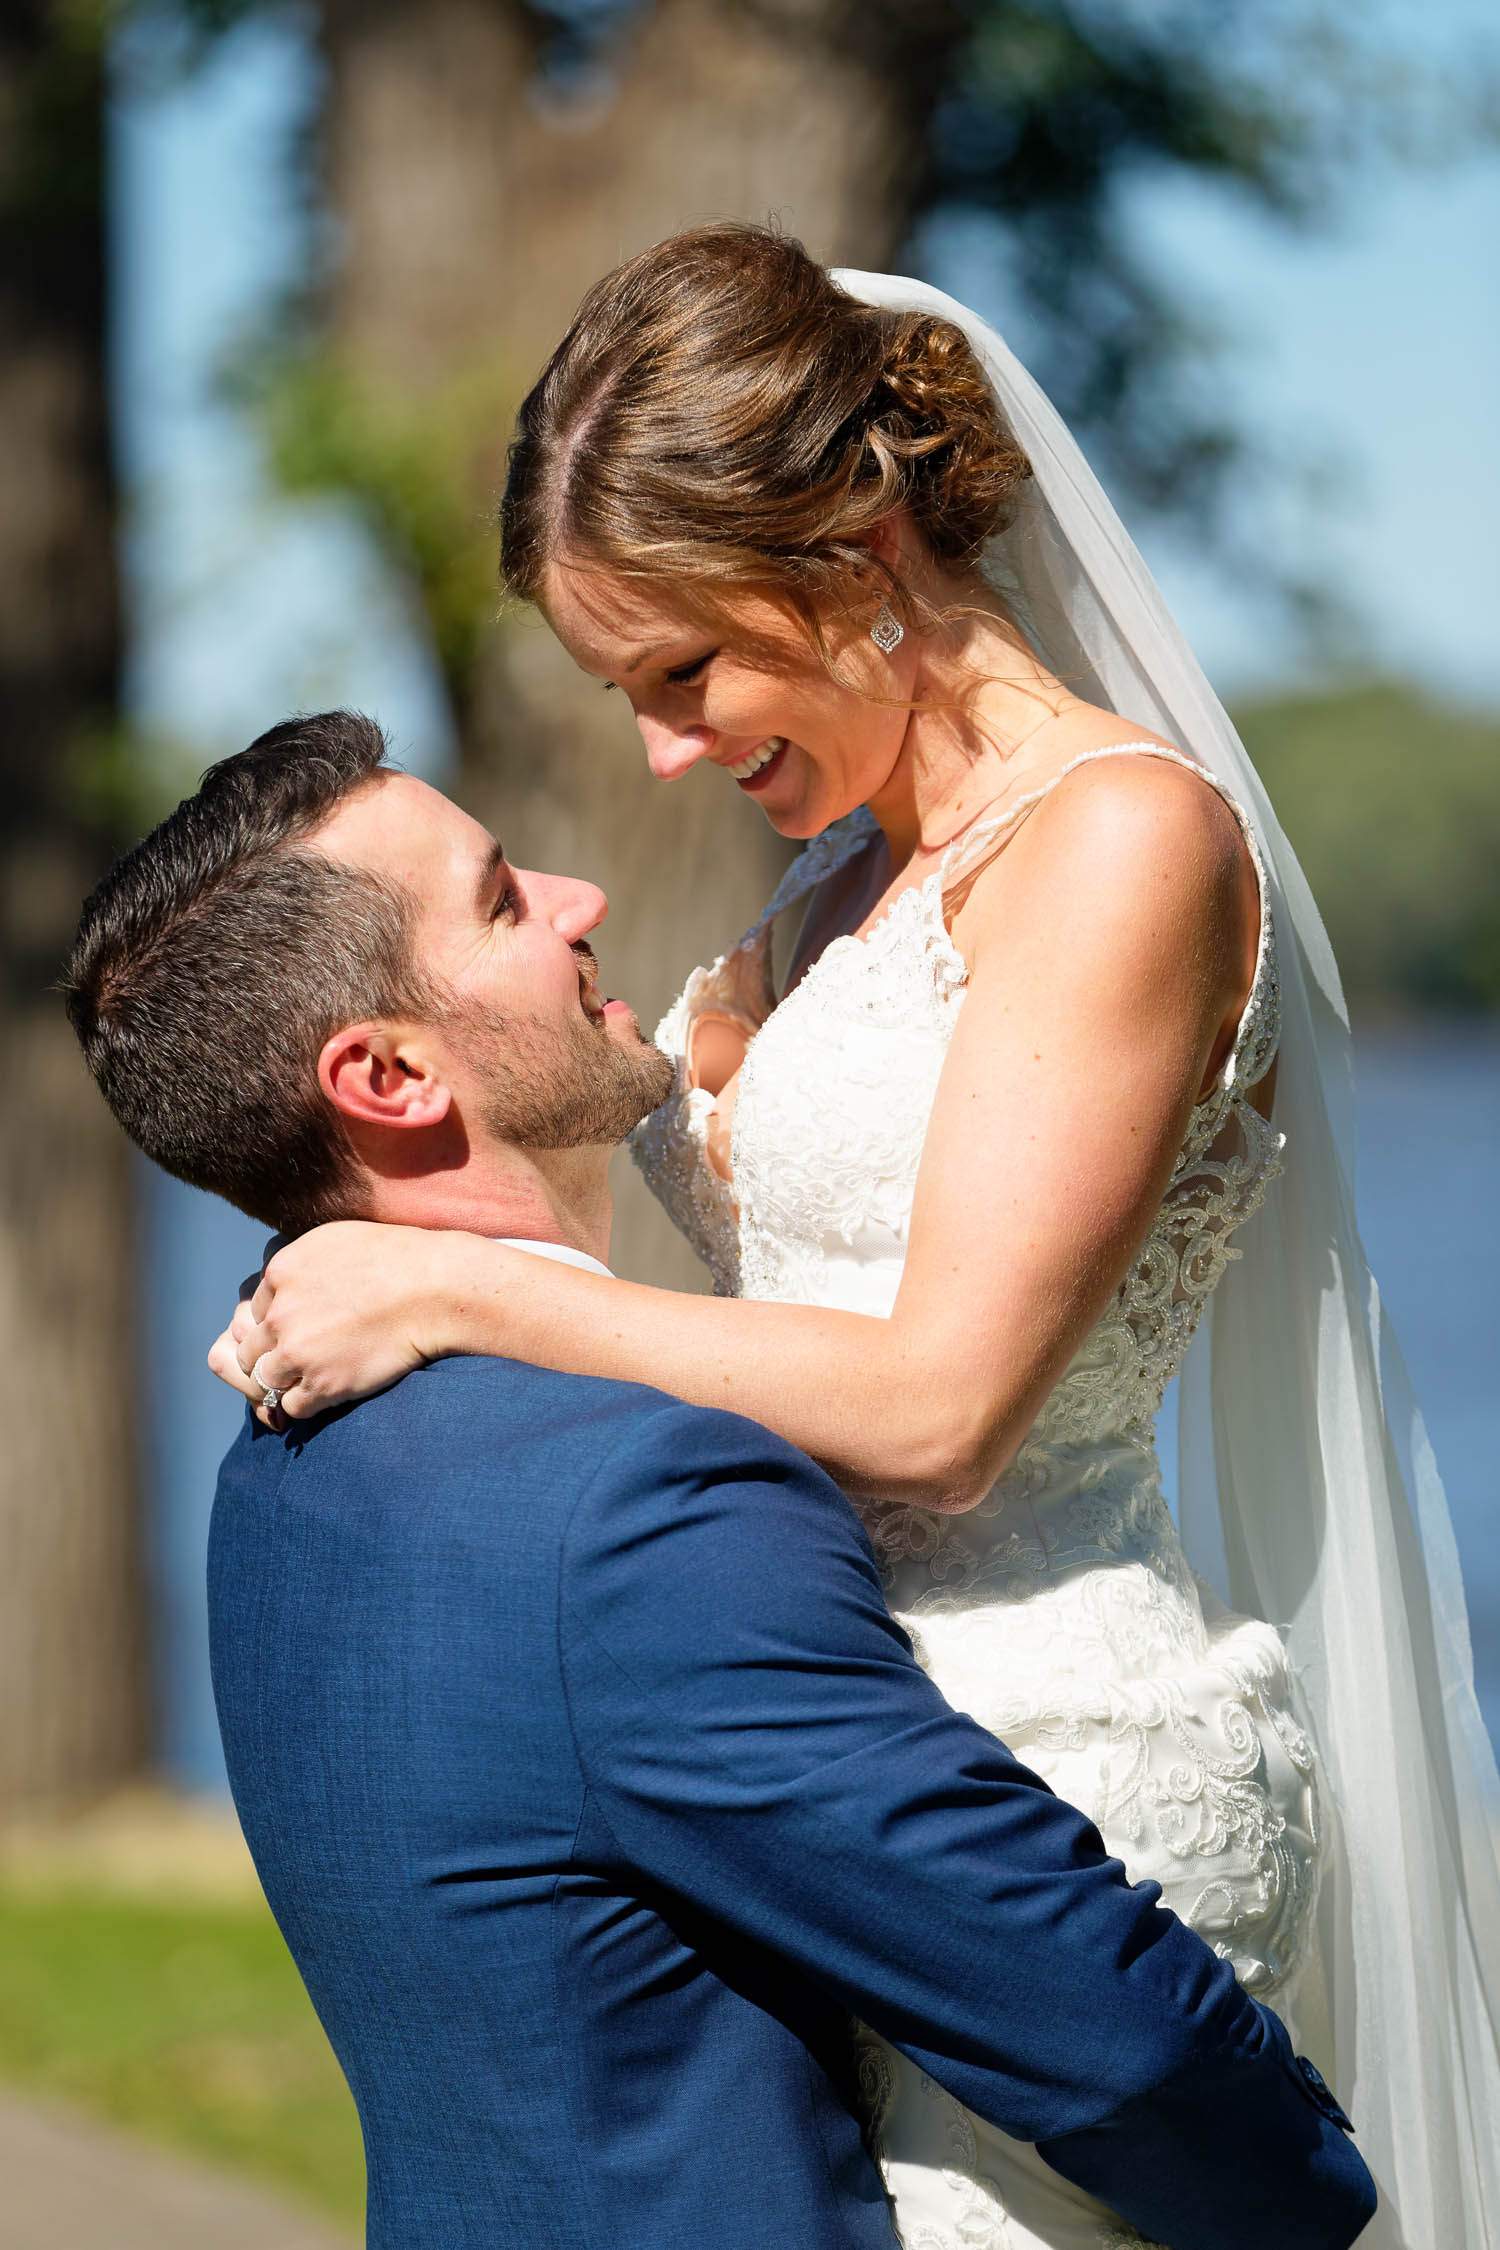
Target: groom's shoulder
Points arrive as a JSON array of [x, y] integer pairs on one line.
[[602, 1434], [506, 1406], [631, 1503], [474, 1413], [480, 1420]]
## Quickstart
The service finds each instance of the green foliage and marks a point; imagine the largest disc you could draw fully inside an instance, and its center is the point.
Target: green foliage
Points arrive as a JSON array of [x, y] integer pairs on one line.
[[51, 151], [120, 779], [1039, 118], [1392, 801], [417, 467], [185, 2022], [1032, 121]]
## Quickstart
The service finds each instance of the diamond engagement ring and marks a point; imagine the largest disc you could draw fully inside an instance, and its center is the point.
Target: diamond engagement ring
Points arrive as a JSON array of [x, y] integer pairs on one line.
[[272, 1398]]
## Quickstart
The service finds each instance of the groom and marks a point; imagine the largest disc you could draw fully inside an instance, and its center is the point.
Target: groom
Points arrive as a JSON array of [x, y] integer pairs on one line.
[[590, 1781]]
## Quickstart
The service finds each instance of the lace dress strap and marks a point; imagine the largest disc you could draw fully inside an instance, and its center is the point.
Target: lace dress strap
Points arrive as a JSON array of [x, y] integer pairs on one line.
[[1258, 1032]]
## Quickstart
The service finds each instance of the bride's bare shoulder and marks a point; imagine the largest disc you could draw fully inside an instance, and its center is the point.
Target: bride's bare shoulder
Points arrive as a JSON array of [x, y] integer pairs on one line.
[[1144, 818], [1145, 830], [1170, 786]]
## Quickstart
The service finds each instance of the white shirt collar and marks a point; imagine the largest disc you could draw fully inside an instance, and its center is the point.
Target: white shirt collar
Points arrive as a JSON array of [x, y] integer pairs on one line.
[[564, 1253]]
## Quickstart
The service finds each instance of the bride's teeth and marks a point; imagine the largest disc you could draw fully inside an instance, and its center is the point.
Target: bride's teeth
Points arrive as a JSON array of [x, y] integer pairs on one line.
[[758, 758]]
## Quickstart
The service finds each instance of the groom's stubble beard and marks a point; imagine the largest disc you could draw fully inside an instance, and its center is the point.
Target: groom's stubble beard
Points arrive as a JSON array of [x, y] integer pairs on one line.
[[561, 1085]]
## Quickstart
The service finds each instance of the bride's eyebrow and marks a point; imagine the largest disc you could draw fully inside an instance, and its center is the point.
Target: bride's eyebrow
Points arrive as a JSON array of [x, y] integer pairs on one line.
[[637, 661], [494, 860], [633, 663]]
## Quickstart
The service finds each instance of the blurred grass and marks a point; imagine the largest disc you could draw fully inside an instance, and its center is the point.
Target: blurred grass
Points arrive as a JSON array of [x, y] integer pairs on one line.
[[182, 2019]]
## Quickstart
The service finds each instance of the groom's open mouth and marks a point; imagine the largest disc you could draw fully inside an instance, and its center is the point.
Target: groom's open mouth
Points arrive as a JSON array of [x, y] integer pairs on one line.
[[588, 994], [596, 1006]]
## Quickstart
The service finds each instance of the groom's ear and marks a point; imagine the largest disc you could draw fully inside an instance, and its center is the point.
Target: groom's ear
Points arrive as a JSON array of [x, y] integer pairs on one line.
[[383, 1074]]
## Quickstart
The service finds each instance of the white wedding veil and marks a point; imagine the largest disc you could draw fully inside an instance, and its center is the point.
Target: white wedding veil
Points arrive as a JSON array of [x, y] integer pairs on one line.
[[1308, 1488]]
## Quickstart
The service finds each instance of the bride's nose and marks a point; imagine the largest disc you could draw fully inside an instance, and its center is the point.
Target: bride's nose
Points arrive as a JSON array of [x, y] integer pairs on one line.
[[671, 751]]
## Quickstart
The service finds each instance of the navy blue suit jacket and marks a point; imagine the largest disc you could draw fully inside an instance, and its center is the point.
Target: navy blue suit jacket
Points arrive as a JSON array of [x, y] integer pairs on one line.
[[594, 1789]]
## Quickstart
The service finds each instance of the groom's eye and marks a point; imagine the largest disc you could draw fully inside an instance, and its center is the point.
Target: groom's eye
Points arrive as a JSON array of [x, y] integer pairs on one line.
[[682, 673], [507, 903]]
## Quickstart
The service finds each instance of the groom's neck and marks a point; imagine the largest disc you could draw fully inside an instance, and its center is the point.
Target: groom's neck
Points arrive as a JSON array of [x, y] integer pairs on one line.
[[552, 1195]]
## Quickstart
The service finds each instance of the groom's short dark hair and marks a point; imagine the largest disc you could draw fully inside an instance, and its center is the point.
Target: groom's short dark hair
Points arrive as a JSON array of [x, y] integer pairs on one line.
[[214, 960]]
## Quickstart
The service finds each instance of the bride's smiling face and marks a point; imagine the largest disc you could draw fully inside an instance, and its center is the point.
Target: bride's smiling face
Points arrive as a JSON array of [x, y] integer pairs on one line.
[[748, 694]]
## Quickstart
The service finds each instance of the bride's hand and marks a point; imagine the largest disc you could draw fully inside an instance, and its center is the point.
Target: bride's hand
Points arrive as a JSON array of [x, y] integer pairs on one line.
[[339, 1312]]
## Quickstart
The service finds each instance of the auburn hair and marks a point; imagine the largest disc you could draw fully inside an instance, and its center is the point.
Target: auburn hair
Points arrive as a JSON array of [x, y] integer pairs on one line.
[[721, 416]]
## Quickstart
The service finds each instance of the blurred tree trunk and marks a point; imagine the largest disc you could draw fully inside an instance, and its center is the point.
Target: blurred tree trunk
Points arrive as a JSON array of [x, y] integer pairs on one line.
[[72, 1697], [472, 208]]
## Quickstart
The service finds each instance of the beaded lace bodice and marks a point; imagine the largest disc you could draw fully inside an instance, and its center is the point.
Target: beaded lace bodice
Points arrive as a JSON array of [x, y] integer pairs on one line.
[[1061, 1610], [832, 1108]]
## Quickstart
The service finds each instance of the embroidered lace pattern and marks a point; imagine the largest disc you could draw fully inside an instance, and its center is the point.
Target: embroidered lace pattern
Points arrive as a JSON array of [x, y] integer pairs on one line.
[[1060, 1611], [832, 1107]]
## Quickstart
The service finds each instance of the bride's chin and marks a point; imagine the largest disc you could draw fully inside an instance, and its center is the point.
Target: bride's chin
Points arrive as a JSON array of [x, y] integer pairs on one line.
[[796, 824], [809, 816], [797, 820]]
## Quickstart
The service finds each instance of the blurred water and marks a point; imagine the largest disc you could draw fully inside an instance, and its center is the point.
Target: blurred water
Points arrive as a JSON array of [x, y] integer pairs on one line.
[[1431, 1221], [1428, 1099], [1429, 1202], [197, 1249]]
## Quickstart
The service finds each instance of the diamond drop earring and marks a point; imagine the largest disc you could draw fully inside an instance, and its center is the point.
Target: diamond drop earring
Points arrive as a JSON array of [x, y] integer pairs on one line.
[[887, 632]]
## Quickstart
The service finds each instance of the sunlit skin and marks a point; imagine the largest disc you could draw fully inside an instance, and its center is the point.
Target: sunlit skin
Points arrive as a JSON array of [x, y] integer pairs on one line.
[[711, 694], [1110, 947], [412, 1095], [953, 721]]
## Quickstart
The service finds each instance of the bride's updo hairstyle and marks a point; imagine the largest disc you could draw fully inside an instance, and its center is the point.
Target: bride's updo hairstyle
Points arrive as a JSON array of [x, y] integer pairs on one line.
[[722, 417]]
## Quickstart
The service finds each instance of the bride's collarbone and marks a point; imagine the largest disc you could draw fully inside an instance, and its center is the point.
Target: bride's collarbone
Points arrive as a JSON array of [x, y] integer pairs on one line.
[[857, 896]]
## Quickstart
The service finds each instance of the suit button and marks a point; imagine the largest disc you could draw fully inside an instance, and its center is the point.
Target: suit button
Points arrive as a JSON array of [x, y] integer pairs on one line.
[[1322, 2096]]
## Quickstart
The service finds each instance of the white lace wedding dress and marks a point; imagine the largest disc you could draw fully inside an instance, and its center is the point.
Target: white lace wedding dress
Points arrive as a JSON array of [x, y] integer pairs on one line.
[[1061, 1611]]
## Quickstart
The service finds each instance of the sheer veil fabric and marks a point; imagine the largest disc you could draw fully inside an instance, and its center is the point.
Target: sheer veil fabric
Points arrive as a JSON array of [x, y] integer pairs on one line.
[[1309, 1493]]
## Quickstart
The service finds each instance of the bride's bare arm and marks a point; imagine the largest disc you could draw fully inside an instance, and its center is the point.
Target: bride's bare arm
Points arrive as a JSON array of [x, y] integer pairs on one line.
[[1124, 913]]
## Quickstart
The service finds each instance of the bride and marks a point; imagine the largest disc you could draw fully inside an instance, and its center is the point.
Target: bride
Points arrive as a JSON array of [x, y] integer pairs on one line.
[[1055, 1085]]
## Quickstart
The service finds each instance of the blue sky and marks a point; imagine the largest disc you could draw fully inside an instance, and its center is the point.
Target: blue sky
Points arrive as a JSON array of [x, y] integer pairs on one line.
[[1378, 345], [1384, 340]]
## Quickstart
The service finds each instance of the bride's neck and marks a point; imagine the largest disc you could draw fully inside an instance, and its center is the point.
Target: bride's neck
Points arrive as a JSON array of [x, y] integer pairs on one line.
[[985, 701]]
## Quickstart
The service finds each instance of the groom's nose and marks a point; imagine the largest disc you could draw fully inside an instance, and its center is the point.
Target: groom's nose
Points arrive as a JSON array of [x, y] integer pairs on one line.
[[671, 751], [573, 907]]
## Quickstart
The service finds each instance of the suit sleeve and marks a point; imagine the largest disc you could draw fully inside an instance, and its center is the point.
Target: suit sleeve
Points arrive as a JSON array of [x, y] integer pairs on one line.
[[759, 1739]]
